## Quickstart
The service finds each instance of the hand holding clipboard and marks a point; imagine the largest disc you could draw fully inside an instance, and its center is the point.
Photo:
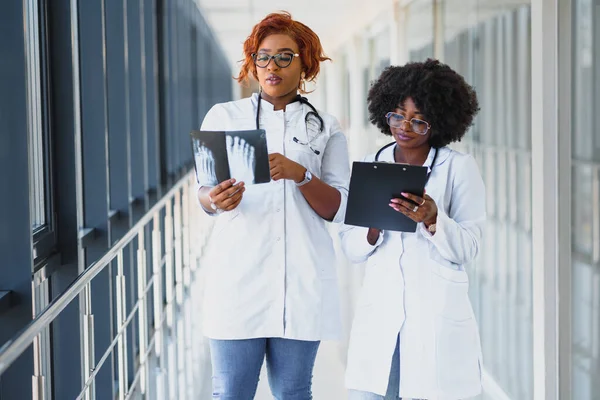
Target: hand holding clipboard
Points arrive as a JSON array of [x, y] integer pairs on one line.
[[373, 185]]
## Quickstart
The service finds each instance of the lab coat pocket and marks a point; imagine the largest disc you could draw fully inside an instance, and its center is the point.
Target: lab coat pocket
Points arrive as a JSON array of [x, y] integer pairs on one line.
[[457, 354], [450, 293], [304, 155]]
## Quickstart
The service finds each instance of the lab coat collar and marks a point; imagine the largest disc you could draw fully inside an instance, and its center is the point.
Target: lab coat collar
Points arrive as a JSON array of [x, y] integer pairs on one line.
[[443, 152], [266, 107]]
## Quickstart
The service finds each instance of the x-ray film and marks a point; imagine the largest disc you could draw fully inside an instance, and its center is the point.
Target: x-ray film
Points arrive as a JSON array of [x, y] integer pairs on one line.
[[221, 155]]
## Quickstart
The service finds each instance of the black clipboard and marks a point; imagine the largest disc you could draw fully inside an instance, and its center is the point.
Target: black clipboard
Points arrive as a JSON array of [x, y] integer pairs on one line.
[[222, 155], [373, 185]]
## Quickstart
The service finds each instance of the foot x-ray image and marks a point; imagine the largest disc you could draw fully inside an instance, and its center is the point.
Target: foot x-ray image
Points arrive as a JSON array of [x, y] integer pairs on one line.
[[241, 158], [205, 165], [219, 156]]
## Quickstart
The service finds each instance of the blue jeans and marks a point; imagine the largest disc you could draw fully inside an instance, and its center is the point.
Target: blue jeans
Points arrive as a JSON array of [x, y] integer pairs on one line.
[[393, 383], [237, 363]]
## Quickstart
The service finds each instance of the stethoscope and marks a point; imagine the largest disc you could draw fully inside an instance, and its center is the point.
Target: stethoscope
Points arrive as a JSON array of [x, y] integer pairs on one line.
[[393, 143], [313, 112]]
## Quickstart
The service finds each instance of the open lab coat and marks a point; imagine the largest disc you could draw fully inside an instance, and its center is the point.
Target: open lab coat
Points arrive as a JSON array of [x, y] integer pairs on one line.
[[270, 262], [415, 284]]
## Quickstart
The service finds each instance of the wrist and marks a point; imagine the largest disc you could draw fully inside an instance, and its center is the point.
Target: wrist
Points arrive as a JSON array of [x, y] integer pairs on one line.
[[301, 175], [373, 235], [430, 221]]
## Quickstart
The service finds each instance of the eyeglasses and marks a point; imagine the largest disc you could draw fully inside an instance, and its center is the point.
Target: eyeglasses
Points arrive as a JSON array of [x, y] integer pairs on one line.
[[418, 126], [283, 60]]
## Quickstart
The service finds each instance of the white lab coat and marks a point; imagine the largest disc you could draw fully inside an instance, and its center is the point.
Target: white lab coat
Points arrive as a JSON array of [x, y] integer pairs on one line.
[[271, 261], [416, 284]]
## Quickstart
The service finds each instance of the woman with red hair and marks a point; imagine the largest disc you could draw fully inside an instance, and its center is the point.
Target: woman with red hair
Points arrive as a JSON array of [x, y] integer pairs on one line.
[[271, 288]]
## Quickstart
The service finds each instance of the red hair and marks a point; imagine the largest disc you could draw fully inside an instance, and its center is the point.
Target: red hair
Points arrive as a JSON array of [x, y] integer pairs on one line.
[[309, 44]]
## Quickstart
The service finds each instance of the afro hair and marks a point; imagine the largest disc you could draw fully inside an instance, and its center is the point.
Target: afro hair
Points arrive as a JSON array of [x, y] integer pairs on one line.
[[445, 100]]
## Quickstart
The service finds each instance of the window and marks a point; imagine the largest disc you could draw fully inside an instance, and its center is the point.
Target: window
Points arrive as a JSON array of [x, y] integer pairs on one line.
[[420, 30], [490, 48], [585, 201], [38, 112]]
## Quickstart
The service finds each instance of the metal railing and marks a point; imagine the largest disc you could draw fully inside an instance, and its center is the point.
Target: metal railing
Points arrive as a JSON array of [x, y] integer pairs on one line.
[[167, 349]]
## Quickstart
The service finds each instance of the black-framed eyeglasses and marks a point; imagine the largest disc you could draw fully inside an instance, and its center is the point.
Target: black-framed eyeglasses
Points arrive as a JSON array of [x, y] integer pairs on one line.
[[283, 60], [417, 126]]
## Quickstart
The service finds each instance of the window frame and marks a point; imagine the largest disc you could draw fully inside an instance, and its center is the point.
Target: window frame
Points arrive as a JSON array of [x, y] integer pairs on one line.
[[44, 236]]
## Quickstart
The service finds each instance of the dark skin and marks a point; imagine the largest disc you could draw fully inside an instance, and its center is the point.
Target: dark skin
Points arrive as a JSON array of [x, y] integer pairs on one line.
[[323, 199], [413, 149]]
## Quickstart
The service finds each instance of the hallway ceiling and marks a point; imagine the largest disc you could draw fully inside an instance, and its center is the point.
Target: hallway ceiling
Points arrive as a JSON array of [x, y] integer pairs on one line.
[[333, 20]]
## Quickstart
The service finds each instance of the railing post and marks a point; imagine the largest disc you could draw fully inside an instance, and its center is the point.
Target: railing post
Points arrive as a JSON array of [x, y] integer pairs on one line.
[[41, 343], [180, 336], [122, 340], [88, 341], [158, 308], [596, 215], [185, 227], [169, 291], [178, 249], [38, 380], [142, 310]]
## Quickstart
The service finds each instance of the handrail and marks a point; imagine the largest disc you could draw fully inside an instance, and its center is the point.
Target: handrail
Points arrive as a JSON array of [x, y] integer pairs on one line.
[[15, 347]]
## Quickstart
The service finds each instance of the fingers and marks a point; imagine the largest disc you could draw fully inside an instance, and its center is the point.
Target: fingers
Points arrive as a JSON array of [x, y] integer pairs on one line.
[[404, 210], [234, 205], [408, 208], [232, 202], [281, 167], [403, 203], [274, 160], [418, 200], [276, 172], [274, 166], [274, 156], [229, 192], [419, 212], [221, 187]]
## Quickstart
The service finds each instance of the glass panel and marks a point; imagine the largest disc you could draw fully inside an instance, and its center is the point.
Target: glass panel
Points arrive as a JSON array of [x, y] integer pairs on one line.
[[585, 202], [382, 51], [34, 110], [488, 44], [419, 30]]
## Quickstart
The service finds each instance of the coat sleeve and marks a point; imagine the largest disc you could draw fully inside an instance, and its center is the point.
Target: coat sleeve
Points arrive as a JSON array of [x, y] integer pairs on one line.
[[355, 245], [354, 238], [213, 121], [335, 168], [460, 229]]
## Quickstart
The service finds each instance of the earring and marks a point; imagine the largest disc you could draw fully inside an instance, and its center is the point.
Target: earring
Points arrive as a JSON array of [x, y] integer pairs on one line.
[[302, 86]]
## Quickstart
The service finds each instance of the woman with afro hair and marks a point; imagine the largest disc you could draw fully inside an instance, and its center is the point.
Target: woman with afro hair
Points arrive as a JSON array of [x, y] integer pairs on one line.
[[414, 333], [271, 289]]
